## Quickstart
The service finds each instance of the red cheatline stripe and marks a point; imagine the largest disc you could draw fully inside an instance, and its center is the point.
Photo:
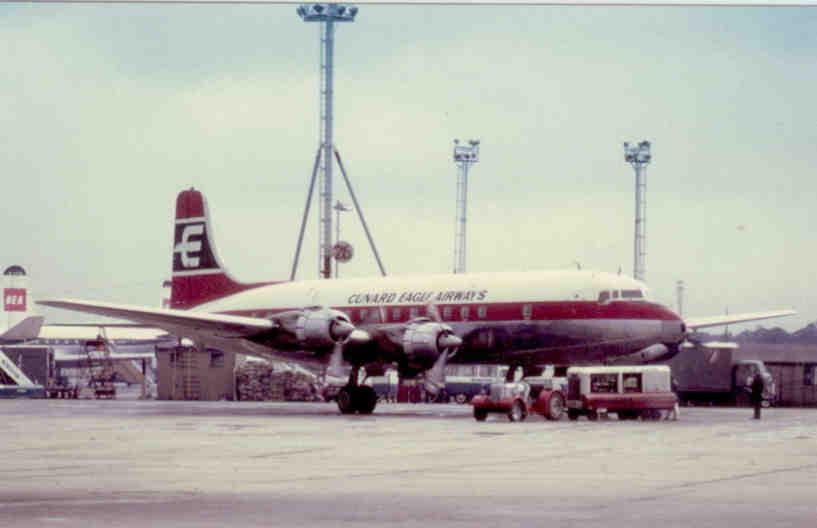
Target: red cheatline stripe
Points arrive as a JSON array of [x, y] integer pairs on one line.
[[497, 312]]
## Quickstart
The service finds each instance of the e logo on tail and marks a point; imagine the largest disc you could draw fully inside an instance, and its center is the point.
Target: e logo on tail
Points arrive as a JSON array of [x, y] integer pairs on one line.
[[191, 247]]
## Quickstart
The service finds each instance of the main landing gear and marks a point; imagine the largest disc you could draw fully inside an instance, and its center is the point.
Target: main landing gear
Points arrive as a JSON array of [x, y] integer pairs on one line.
[[355, 398]]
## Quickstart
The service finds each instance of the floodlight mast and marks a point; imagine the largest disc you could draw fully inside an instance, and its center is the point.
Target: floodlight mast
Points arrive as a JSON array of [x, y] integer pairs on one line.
[[679, 290], [639, 156], [464, 157], [327, 15]]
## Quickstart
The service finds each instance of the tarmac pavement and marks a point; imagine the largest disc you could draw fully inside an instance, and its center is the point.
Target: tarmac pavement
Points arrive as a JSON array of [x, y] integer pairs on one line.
[[178, 464]]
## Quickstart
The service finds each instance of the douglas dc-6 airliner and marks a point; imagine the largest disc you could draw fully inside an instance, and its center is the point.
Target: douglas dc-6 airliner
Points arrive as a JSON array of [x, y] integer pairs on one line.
[[417, 323]]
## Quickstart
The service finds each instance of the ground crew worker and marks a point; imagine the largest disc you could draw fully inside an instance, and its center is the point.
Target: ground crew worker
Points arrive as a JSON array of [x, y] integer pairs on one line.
[[756, 394]]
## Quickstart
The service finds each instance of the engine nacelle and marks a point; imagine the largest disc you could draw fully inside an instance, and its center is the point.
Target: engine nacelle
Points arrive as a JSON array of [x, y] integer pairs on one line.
[[423, 342], [322, 328], [650, 354]]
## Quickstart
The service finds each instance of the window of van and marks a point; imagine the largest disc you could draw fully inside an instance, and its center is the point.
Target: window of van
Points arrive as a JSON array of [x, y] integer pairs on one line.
[[632, 294], [604, 296], [631, 382], [604, 383]]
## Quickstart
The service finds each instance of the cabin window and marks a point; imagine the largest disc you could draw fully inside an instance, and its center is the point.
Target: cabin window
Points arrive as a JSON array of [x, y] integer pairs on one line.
[[604, 383], [527, 311], [464, 313], [810, 374], [362, 315], [615, 294], [395, 314], [447, 312], [482, 311], [632, 294], [631, 382], [604, 296], [413, 313]]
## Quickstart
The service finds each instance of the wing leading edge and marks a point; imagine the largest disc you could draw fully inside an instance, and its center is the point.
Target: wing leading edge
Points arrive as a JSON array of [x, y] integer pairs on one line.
[[695, 323], [177, 322]]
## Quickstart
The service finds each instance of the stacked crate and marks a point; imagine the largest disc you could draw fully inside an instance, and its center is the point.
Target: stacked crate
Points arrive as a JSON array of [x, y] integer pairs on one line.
[[264, 381]]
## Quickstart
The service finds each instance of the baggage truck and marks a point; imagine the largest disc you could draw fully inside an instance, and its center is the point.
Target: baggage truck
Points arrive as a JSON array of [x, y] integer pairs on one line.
[[713, 375]]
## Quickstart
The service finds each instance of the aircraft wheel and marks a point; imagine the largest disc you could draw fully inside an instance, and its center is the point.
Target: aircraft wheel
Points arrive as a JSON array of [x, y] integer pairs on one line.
[[518, 412], [346, 403], [555, 406], [480, 414], [365, 399]]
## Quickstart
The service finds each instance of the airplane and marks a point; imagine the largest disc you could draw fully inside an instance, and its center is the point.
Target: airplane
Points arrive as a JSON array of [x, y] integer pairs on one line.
[[417, 323]]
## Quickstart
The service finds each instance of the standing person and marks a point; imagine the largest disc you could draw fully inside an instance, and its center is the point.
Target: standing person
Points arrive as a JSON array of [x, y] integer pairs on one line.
[[756, 391]]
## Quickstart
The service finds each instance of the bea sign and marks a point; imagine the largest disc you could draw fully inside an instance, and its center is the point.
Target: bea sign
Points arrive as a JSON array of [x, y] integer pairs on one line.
[[14, 299]]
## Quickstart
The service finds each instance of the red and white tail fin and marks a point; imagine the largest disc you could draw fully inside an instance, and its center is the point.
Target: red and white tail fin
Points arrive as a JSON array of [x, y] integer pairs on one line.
[[198, 274], [15, 296]]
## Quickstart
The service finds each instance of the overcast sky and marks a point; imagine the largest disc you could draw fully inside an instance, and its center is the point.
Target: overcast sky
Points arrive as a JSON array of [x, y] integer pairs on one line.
[[110, 110]]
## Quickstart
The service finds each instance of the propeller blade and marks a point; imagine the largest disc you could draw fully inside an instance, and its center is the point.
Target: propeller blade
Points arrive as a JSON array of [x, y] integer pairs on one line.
[[335, 367], [435, 377], [433, 313]]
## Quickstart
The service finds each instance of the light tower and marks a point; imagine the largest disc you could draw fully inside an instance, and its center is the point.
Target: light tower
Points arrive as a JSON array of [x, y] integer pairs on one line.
[[679, 291], [327, 14], [639, 157], [464, 157]]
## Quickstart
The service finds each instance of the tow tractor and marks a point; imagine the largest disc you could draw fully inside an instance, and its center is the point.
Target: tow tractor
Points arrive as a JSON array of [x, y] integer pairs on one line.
[[545, 396]]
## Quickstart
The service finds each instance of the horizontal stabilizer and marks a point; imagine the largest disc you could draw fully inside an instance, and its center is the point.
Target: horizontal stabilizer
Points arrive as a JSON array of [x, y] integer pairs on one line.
[[176, 322], [28, 328], [696, 323]]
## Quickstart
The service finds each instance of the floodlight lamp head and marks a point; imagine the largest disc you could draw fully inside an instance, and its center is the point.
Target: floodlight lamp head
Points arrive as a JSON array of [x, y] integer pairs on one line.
[[473, 142]]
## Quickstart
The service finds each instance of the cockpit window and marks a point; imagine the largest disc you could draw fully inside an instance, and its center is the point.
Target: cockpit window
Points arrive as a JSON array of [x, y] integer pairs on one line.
[[632, 294], [604, 296]]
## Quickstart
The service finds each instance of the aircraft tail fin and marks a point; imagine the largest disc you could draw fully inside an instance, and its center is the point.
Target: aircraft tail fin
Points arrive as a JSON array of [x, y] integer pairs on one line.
[[28, 328], [198, 274]]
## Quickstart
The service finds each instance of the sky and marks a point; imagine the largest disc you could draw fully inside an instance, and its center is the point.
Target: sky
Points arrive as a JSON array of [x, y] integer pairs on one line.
[[110, 110]]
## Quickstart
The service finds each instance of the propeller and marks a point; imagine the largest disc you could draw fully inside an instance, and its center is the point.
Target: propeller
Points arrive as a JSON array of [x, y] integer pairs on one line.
[[449, 343]]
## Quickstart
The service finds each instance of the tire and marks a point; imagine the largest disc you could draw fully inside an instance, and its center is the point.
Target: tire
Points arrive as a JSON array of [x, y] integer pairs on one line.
[[461, 398], [346, 401], [627, 415], [518, 411], [572, 415], [555, 406], [365, 399], [592, 415], [480, 414]]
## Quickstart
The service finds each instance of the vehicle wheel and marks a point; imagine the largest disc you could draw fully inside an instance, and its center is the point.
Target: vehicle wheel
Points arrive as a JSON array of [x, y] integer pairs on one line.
[[518, 411], [461, 398], [366, 399], [627, 415], [480, 414], [555, 406], [346, 403], [572, 415], [592, 415]]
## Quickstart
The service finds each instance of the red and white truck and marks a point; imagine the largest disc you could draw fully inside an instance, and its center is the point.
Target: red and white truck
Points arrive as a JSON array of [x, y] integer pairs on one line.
[[631, 392]]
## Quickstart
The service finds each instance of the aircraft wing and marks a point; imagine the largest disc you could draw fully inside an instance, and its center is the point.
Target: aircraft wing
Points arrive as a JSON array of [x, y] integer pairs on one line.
[[176, 322], [695, 323]]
